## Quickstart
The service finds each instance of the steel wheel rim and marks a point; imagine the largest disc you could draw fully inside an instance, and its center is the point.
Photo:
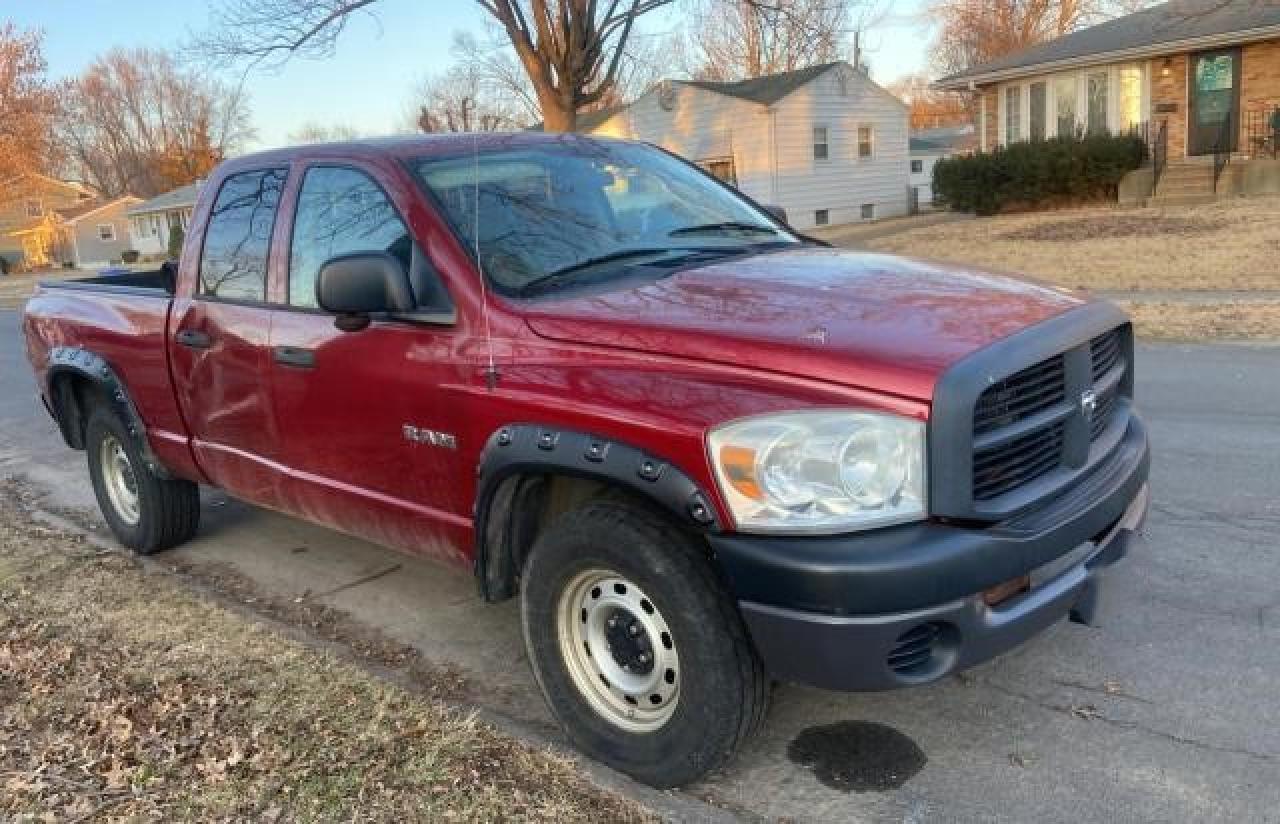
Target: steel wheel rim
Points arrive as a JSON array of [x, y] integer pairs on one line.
[[628, 670], [120, 480]]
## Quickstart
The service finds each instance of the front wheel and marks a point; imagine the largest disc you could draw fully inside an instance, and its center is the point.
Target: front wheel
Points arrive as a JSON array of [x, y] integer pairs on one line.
[[637, 648], [146, 513]]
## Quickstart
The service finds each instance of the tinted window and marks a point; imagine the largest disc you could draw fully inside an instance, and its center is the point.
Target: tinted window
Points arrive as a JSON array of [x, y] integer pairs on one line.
[[340, 211], [233, 263]]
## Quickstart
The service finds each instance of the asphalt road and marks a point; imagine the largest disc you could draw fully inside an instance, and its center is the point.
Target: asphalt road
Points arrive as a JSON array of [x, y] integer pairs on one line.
[[1169, 711]]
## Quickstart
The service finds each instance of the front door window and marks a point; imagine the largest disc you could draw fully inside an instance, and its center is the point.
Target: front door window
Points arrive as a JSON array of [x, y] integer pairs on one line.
[[1214, 101]]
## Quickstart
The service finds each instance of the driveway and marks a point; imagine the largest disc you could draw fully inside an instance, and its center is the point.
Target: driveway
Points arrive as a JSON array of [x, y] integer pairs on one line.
[[1166, 712]]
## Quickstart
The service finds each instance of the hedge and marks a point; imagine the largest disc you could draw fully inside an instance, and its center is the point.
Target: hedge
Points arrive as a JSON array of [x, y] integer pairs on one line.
[[1036, 173]]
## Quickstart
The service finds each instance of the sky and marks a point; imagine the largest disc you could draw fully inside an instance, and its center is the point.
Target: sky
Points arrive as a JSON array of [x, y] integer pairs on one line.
[[368, 82]]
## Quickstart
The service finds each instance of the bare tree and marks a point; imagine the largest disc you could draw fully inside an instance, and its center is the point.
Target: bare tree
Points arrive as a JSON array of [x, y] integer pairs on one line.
[[461, 100], [738, 39], [646, 59], [972, 32], [930, 108], [571, 50], [318, 133], [28, 103], [135, 122]]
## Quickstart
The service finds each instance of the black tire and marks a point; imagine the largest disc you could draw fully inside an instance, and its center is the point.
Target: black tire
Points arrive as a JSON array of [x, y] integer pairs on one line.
[[167, 512], [723, 690]]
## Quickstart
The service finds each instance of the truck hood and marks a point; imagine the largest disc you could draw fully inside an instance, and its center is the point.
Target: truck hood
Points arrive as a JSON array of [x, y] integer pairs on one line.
[[871, 321]]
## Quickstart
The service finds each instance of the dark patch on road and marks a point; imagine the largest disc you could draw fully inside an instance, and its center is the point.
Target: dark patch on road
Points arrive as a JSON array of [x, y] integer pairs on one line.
[[857, 756]]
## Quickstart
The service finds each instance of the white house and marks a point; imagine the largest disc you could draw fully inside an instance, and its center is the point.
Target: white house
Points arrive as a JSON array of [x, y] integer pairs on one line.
[[825, 143], [152, 222], [928, 146]]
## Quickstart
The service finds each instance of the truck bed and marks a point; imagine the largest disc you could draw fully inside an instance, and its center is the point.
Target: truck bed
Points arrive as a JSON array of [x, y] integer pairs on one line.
[[155, 281]]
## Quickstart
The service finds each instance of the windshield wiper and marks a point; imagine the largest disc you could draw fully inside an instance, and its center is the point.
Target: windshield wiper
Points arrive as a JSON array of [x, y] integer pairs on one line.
[[624, 254], [727, 226]]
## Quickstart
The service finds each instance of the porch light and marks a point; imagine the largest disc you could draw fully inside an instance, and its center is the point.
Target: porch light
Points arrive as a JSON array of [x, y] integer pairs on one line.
[[1167, 68]]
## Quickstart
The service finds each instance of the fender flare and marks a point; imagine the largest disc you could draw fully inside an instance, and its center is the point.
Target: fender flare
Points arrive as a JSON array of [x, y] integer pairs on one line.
[[524, 449], [92, 367]]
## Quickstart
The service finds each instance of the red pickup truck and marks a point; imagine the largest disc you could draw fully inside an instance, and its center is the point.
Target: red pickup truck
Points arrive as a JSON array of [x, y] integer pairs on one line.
[[705, 451]]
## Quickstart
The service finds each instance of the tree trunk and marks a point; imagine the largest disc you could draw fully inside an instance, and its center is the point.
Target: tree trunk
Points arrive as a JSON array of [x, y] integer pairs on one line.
[[557, 116]]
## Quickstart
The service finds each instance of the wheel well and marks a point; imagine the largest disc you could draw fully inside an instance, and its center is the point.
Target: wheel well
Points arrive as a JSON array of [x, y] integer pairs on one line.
[[522, 507], [73, 398]]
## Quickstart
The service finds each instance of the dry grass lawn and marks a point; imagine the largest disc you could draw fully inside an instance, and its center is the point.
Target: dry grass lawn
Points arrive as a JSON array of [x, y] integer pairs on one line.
[[1232, 245], [125, 697]]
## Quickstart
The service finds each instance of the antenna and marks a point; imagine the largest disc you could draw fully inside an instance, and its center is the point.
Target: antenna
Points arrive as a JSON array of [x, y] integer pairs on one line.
[[490, 373]]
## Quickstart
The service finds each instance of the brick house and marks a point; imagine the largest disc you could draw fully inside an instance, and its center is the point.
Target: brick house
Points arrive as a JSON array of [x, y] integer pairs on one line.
[[1199, 75]]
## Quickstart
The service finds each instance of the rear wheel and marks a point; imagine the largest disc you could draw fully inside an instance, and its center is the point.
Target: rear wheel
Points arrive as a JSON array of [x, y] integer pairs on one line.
[[638, 650], [145, 512]]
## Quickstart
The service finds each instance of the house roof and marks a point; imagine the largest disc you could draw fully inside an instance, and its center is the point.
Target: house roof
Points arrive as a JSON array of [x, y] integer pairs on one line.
[[81, 210], [84, 190], [181, 198], [1166, 28], [765, 90]]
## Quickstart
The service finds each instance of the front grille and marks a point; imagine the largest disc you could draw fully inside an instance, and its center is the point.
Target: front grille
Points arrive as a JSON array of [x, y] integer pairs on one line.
[[1023, 424], [1105, 352], [998, 470], [1020, 396]]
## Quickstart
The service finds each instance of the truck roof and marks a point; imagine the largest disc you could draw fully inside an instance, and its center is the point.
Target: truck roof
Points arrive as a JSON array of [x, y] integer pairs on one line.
[[418, 145]]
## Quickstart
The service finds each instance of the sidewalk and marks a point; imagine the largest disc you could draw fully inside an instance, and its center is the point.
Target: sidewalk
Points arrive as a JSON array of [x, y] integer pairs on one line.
[[857, 234]]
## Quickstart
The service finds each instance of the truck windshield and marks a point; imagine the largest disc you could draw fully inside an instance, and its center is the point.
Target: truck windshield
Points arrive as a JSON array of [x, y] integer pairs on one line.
[[560, 210]]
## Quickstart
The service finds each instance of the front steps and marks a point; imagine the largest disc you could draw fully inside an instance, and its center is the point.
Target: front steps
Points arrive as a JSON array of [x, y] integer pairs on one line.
[[1190, 183]]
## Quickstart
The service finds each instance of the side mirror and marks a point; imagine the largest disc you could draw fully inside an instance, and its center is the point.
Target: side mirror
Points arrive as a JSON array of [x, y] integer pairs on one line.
[[357, 285], [779, 213]]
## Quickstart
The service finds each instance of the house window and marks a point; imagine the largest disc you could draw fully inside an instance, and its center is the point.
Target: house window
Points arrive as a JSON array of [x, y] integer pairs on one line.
[[866, 142], [1098, 103], [821, 217], [1130, 98], [917, 167], [155, 225], [1065, 95], [107, 231], [1012, 114], [820, 147], [720, 168], [34, 207], [868, 211], [1038, 109]]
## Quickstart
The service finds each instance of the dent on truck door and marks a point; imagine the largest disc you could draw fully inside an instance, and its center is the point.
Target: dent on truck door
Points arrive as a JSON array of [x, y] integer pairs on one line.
[[220, 340], [366, 418]]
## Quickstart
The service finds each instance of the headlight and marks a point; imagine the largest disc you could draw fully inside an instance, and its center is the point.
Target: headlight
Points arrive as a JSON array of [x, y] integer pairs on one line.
[[820, 472]]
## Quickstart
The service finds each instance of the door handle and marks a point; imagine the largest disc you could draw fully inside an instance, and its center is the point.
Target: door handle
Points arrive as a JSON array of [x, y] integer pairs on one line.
[[294, 356], [193, 339]]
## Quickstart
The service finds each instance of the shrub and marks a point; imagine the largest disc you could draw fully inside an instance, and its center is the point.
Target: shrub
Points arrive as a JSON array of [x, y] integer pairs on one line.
[[176, 238], [1037, 173], [129, 256], [4, 265]]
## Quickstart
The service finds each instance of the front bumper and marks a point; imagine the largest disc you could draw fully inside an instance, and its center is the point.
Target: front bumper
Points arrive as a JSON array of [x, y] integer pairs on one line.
[[904, 606]]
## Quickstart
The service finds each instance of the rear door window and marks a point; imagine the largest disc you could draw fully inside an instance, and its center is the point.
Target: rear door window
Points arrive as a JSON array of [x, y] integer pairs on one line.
[[233, 262]]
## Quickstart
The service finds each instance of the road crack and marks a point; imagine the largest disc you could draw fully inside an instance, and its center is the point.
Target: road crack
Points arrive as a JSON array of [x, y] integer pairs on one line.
[[1092, 713]]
